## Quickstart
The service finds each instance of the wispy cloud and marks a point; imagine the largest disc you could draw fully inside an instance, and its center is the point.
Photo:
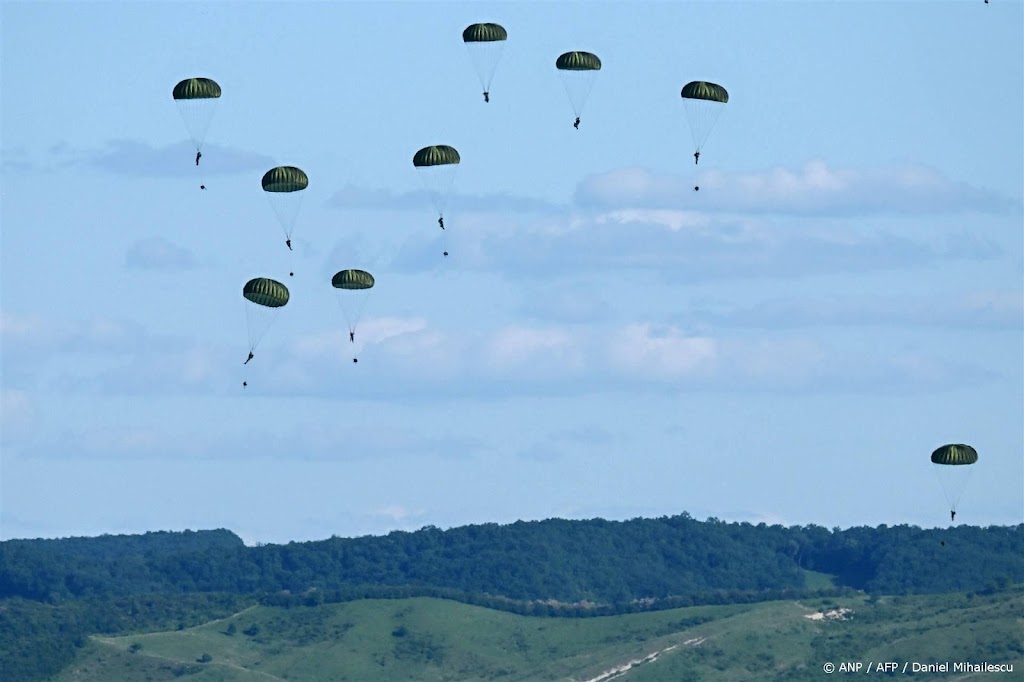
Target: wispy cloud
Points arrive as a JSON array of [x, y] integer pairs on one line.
[[681, 247], [409, 360], [157, 253], [356, 197], [815, 189], [141, 159], [981, 310]]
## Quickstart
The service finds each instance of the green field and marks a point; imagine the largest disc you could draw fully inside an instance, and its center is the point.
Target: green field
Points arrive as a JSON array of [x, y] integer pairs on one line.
[[433, 639]]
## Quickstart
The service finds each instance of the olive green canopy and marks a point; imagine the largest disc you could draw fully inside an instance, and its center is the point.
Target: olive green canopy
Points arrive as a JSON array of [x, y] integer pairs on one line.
[[578, 61], [437, 155], [196, 88], [285, 179], [955, 454], [484, 33], [705, 90], [266, 292], [352, 279]]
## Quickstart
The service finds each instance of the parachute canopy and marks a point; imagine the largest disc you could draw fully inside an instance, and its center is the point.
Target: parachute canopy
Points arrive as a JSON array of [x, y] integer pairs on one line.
[[268, 297], [485, 43], [266, 292], [196, 88], [352, 279], [436, 166], [196, 99], [285, 179], [950, 467], [353, 289], [578, 61], [437, 155], [577, 70], [705, 90], [704, 102], [484, 33], [955, 455], [284, 185]]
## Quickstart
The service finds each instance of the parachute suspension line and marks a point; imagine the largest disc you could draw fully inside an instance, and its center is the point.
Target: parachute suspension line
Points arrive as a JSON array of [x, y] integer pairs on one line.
[[353, 321], [953, 482], [259, 320]]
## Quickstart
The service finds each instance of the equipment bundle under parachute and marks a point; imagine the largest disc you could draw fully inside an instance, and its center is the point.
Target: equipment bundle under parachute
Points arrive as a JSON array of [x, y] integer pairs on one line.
[[485, 43], [952, 466], [197, 100]]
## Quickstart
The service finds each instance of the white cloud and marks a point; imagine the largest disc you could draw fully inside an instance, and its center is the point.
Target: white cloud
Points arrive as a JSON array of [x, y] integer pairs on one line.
[[157, 253], [17, 415], [814, 189], [514, 347], [998, 309], [662, 353]]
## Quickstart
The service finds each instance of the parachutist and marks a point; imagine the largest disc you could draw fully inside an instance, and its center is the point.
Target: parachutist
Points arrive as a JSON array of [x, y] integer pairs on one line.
[[576, 125], [696, 157], [696, 188], [248, 358], [291, 274], [199, 155], [446, 254], [355, 359], [487, 96], [202, 186], [952, 515], [245, 384], [440, 221], [289, 243], [352, 337]]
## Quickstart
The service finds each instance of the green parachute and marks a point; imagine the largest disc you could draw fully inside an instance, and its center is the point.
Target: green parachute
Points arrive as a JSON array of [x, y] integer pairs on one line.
[[437, 166], [265, 299], [485, 44], [353, 289], [704, 103], [197, 100], [284, 187], [952, 466], [577, 70]]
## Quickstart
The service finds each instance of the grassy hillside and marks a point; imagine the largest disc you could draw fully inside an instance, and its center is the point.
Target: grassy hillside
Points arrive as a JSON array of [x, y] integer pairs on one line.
[[431, 639]]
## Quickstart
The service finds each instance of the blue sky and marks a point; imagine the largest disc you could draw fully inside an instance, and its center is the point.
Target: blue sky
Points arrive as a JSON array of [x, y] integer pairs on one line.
[[844, 294]]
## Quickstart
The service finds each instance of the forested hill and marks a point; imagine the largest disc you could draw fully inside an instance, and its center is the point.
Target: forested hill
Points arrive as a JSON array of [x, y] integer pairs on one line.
[[593, 560]]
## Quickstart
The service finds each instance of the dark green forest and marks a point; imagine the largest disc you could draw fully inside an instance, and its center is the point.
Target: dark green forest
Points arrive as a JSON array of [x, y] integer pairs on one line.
[[54, 593]]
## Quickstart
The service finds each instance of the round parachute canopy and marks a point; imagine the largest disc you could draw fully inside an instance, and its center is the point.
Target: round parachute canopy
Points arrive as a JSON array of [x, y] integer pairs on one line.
[[955, 455], [197, 100], [196, 88], [266, 292], [437, 155], [578, 61], [704, 104], [704, 90], [577, 70], [953, 475], [484, 33], [353, 289], [269, 297], [485, 43], [352, 279], [284, 186], [285, 179]]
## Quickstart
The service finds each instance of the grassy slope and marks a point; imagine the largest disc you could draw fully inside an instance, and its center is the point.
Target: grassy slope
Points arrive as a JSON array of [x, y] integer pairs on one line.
[[444, 640]]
